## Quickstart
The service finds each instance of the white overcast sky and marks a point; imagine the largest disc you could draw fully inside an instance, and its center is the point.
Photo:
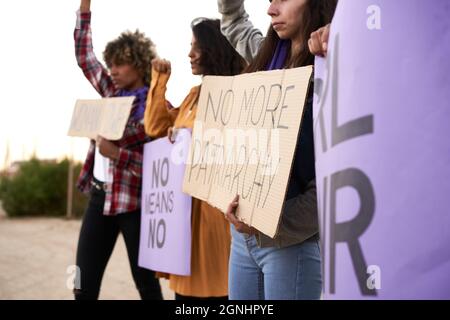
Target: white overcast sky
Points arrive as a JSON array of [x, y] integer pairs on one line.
[[40, 80]]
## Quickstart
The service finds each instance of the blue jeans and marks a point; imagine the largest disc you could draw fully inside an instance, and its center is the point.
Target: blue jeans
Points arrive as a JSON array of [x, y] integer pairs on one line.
[[292, 273]]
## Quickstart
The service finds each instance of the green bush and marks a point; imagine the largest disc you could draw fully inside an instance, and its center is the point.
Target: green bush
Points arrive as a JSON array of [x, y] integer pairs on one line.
[[40, 189], [3, 183]]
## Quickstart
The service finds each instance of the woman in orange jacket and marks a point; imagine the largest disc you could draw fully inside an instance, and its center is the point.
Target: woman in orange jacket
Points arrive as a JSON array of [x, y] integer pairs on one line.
[[210, 54]]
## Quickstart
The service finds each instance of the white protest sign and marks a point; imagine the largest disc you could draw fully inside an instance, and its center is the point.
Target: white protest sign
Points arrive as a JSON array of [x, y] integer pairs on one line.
[[105, 117], [243, 142]]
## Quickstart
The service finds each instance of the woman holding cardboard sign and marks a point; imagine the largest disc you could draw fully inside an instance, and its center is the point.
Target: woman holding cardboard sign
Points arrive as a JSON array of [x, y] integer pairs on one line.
[[210, 54], [112, 172], [288, 266]]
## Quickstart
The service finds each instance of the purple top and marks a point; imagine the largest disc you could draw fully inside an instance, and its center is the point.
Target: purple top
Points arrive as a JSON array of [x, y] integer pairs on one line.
[[280, 55], [137, 113]]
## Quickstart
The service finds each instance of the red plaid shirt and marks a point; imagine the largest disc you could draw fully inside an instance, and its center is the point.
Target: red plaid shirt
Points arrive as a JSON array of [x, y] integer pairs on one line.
[[123, 195]]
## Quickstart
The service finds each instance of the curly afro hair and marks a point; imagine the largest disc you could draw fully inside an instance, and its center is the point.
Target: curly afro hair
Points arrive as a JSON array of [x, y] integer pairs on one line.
[[132, 48]]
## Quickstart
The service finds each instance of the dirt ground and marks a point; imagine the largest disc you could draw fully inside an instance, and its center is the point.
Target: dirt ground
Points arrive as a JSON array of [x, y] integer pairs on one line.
[[35, 255]]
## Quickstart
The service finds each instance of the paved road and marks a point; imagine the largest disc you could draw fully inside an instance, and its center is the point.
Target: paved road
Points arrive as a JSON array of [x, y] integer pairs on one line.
[[35, 255]]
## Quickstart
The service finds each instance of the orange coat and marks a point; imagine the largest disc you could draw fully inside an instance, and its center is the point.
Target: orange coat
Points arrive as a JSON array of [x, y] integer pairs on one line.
[[211, 237]]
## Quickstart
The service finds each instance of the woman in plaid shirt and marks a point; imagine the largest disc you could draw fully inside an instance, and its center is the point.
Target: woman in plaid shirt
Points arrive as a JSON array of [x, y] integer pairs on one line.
[[112, 171]]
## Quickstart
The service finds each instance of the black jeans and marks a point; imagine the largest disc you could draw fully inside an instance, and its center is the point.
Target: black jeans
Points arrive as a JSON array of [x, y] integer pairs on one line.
[[98, 236], [180, 297]]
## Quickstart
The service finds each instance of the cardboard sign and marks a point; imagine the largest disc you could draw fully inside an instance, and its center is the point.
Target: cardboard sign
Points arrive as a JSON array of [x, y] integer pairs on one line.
[[381, 122], [244, 140], [105, 117], [165, 243]]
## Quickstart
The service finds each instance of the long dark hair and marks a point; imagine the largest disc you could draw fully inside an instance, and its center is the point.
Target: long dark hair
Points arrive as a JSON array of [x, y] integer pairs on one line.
[[317, 13], [218, 57]]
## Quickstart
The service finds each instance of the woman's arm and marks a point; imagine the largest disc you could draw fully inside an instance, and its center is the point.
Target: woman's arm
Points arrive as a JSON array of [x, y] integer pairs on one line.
[[299, 220], [85, 6], [159, 115], [318, 42], [238, 29], [93, 69]]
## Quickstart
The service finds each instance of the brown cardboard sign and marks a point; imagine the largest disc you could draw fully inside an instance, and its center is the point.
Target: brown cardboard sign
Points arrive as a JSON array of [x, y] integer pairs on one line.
[[105, 117], [243, 142]]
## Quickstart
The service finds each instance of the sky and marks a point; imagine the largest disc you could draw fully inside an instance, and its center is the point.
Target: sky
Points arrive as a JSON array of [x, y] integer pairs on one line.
[[40, 80]]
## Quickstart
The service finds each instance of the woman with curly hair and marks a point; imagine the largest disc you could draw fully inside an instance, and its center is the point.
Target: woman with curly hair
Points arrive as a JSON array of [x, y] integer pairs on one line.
[[113, 169], [210, 54]]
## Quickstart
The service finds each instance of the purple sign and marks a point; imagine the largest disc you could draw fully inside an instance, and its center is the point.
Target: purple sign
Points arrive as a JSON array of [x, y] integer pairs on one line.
[[165, 243], [382, 137]]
